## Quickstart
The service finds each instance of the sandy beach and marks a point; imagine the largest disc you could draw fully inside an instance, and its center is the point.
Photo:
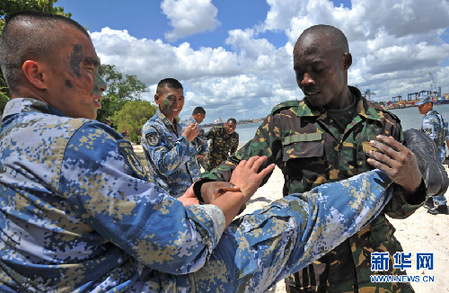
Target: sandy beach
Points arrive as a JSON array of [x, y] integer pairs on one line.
[[419, 233]]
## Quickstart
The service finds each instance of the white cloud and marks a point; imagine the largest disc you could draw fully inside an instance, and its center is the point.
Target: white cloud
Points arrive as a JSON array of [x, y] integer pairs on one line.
[[393, 50], [394, 45], [189, 17], [281, 12], [153, 60]]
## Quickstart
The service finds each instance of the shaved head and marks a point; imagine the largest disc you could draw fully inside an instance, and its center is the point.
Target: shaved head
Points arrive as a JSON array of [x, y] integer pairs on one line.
[[317, 36], [31, 35]]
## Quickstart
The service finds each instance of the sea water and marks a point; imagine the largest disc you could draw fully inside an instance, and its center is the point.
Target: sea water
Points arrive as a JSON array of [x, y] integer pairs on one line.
[[410, 118]]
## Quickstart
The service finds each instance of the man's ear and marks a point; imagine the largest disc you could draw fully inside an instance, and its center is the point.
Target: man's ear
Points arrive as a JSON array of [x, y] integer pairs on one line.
[[33, 73], [156, 99], [347, 61]]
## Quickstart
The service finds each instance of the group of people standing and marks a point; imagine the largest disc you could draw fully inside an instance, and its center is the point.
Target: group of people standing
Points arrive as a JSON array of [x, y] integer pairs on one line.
[[175, 151], [78, 212]]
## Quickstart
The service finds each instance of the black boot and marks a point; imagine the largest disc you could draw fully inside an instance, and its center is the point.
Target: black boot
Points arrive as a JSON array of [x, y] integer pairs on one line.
[[442, 209], [429, 204]]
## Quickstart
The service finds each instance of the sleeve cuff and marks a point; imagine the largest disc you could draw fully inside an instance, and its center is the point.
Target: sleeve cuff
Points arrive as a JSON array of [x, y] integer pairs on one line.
[[419, 196], [197, 188]]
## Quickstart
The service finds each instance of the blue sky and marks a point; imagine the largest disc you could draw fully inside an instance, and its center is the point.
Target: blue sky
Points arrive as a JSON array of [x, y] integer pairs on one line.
[[234, 57], [144, 18]]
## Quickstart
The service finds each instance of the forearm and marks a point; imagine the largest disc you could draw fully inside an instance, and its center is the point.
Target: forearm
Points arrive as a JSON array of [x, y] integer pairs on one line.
[[403, 205], [234, 148], [230, 203]]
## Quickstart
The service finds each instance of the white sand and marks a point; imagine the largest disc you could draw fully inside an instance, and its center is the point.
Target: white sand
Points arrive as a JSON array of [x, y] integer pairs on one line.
[[419, 233]]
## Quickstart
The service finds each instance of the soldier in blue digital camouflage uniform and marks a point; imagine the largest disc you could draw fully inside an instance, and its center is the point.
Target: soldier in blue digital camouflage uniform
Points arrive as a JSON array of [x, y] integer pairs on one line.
[[200, 141], [168, 148], [435, 126]]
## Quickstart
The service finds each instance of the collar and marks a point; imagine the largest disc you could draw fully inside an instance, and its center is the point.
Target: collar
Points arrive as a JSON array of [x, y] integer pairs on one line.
[[165, 120], [21, 105], [363, 108]]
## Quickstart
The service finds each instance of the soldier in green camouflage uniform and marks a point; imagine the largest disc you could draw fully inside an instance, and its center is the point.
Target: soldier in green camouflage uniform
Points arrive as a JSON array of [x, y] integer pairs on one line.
[[225, 142], [324, 138]]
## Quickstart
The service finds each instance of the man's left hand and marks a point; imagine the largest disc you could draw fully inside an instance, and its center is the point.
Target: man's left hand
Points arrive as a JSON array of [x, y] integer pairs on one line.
[[397, 161], [191, 131]]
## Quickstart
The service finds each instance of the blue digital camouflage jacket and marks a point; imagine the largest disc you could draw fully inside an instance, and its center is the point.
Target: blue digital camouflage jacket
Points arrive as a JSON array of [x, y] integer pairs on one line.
[[78, 213], [169, 154], [435, 126]]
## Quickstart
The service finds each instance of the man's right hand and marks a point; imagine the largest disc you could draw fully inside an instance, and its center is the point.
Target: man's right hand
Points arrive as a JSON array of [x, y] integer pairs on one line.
[[246, 176], [246, 179], [191, 131]]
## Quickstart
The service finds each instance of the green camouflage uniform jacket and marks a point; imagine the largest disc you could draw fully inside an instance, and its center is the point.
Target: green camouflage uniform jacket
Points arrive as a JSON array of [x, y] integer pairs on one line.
[[306, 145], [221, 146]]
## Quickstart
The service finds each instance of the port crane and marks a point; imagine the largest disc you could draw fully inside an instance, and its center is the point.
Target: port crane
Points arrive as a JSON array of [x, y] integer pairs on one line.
[[368, 93], [437, 89]]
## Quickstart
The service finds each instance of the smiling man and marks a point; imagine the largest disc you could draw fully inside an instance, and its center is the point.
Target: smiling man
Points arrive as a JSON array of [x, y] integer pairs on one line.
[[73, 73], [224, 142], [168, 148]]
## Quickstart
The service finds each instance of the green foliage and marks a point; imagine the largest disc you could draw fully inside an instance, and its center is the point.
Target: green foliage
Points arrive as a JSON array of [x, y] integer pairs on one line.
[[8, 7], [4, 93], [121, 89], [131, 117]]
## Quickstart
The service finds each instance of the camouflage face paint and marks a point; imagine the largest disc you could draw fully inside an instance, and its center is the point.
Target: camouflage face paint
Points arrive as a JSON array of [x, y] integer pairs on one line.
[[98, 85], [75, 59], [69, 84], [166, 103]]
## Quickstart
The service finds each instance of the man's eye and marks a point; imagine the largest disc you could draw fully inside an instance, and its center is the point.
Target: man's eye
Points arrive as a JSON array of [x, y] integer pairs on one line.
[[318, 69], [91, 69]]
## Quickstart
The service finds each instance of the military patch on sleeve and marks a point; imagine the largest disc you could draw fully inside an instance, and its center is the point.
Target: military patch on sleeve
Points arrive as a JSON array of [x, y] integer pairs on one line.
[[152, 138], [131, 159]]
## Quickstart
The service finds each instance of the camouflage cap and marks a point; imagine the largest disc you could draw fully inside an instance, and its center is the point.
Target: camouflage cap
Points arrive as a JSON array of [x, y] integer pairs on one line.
[[423, 101]]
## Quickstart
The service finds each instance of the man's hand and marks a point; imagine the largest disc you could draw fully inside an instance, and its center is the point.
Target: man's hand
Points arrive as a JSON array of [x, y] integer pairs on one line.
[[191, 131], [188, 198], [245, 175], [212, 190], [397, 161], [246, 179]]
